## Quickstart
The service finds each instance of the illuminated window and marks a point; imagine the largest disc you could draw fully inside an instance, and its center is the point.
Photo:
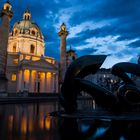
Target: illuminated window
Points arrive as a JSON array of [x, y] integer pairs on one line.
[[15, 61], [14, 77], [26, 75], [21, 57], [27, 57], [35, 58], [32, 49], [14, 48]]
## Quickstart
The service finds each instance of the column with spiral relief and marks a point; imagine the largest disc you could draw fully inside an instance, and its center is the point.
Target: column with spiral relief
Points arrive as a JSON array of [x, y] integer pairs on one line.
[[63, 33], [6, 15]]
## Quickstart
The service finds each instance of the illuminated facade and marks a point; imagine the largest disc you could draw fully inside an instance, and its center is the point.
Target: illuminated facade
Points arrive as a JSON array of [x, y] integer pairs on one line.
[[28, 69]]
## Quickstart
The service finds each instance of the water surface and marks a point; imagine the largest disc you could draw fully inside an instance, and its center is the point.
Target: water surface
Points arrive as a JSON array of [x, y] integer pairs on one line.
[[34, 122], [28, 122]]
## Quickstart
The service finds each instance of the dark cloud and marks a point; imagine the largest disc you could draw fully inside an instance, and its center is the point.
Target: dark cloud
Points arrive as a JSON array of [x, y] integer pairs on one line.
[[135, 44], [86, 51], [77, 41], [125, 12], [99, 32]]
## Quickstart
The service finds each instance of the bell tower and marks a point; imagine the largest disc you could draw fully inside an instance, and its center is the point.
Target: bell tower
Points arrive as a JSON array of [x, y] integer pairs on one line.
[[63, 33], [6, 15], [71, 56]]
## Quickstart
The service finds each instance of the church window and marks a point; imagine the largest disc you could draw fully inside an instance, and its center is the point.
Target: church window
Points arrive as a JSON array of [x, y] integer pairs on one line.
[[33, 32], [32, 49], [14, 48], [25, 17], [28, 17], [16, 32], [7, 8], [14, 77]]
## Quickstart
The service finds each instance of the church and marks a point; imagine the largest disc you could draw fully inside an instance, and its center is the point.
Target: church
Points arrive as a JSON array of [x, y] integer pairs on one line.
[[23, 64], [27, 68]]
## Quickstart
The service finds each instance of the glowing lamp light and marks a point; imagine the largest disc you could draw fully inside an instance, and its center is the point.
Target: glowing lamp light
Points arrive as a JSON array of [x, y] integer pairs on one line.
[[14, 77], [49, 75]]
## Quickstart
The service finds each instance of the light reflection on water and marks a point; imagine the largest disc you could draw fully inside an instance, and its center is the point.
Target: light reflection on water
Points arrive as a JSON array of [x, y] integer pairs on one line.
[[34, 122], [28, 121]]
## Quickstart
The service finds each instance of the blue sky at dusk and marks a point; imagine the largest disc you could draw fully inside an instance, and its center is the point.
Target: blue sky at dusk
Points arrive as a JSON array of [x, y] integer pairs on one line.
[[110, 27]]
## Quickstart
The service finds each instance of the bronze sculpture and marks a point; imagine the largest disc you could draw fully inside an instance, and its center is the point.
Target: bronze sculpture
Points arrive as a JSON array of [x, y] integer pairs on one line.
[[128, 95]]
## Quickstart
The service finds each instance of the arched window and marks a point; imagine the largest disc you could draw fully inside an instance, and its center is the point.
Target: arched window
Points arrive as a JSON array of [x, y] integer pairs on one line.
[[25, 17], [33, 32], [14, 48], [7, 8], [13, 77], [16, 32], [32, 49]]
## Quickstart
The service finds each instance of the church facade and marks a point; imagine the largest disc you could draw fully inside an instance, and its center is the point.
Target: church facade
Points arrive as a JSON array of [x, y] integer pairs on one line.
[[28, 69], [23, 64]]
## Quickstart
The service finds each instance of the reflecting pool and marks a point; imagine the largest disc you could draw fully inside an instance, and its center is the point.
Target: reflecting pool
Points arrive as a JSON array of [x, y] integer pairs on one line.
[[28, 122], [34, 122]]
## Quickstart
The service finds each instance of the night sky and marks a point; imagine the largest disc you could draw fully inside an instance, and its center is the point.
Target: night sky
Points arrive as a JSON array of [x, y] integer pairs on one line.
[[110, 27]]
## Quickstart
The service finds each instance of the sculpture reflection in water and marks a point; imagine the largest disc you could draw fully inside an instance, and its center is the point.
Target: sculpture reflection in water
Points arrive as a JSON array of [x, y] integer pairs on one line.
[[98, 130], [128, 94]]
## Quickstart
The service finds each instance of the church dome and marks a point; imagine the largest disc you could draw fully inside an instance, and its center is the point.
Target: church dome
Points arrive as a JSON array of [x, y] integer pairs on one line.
[[27, 26], [26, 37]]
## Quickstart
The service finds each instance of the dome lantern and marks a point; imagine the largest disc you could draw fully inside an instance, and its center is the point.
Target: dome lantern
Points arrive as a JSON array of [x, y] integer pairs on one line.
[[27, 15]]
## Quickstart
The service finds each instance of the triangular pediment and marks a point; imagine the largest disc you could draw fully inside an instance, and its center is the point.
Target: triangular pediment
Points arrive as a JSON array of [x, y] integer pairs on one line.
[[42, 63]]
